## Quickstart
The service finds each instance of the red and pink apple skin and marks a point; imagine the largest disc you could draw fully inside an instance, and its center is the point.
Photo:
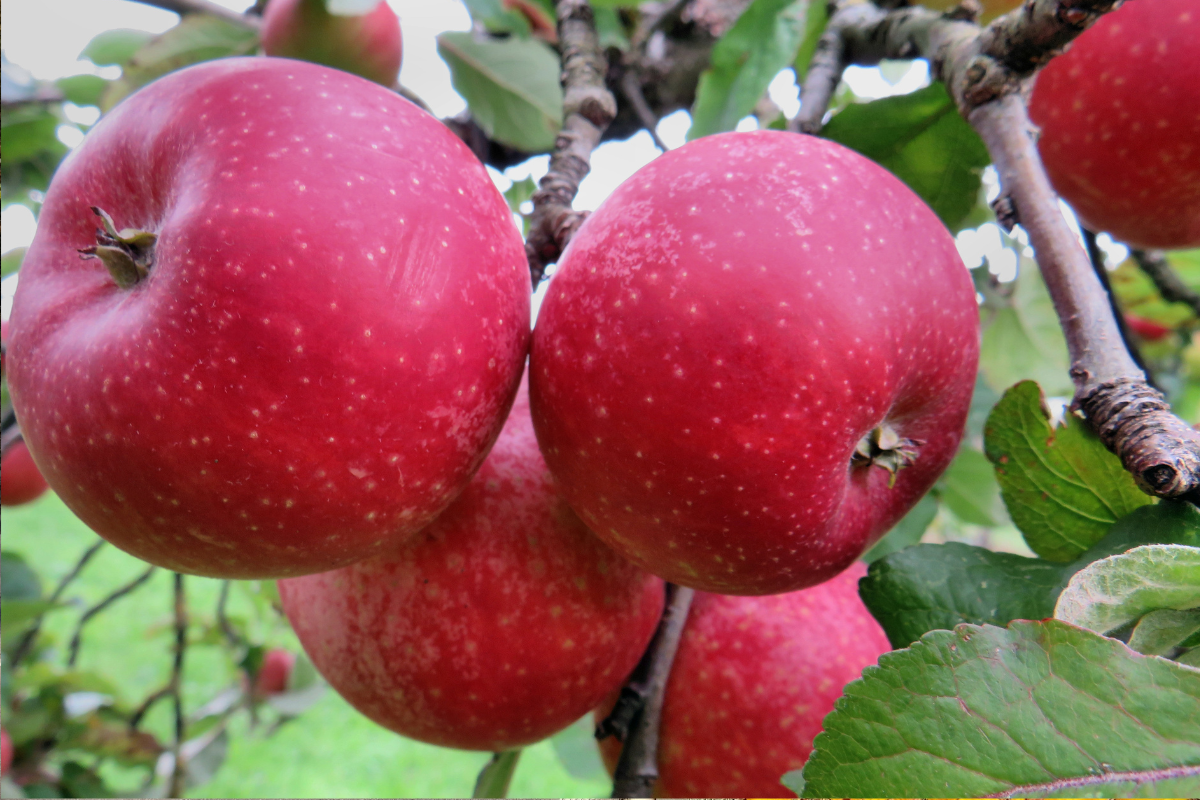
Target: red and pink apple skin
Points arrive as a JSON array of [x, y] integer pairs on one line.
[[6, 751], [20, 480], [274, 673], [1119, 114], [751, 683], [720, 335], [326, 345], [501, 623], [367, 44]]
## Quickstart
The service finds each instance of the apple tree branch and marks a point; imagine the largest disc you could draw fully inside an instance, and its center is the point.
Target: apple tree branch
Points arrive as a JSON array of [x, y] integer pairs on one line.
[[984, 70], [184, 7], [588, 108]]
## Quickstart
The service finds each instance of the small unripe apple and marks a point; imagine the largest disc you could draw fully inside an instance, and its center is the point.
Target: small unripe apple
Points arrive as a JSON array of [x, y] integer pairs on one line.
[[754, 358], [1120, 121], [305, 318], [20, 480], [6, 751], [501, 623], [365, 44], [274, 672], [751, 683]]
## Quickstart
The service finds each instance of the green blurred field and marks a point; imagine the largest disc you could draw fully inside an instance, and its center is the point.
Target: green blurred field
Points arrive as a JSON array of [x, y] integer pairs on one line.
[[330, 751]]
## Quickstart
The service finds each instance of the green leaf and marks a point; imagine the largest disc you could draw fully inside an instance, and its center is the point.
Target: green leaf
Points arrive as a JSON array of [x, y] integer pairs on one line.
[[197, 38], [969, 489], [1115, 591], [10, 262], [938, 586], [762, 42], [1023, 340], [907, 531], [511, 86], [496, 18], [1165, 522], [1026, 711], [18, 579], [922, 139], [18, 613], [816, 18], [114, 47], [496, 775], [1062, 487], [576, 749], [609, 30], [29, 131], [82, 90], [1160, 632]]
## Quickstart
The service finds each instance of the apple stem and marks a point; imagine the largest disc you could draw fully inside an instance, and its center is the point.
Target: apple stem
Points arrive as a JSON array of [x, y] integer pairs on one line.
[[496, 775], [588, 108], [985, 71], [636, 721], [127, 254]]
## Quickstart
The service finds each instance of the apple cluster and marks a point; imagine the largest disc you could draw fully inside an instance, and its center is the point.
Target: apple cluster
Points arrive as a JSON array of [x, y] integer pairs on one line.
[[274, 325]]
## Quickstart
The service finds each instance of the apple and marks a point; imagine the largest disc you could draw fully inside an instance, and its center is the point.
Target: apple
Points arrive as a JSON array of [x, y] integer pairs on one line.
[[754, 358], [20, 480], [366, 44], [1148, 329], [501, 623], [329, 332], [3, 346], [6, 751], [274, 672], [1120, 119], [751, 683]]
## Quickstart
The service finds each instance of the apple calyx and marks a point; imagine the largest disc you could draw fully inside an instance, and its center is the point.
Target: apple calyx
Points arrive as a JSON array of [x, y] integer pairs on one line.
[[884, 447], [128, 253]]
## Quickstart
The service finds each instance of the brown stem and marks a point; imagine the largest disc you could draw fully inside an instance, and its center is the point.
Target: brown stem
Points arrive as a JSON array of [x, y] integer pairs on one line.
[[127, 589], [632, 89], [588, 108], [985, 71], [30, 636], [1096, 257], [175, 689], [1169, 284], [637, 768], [184, 7]]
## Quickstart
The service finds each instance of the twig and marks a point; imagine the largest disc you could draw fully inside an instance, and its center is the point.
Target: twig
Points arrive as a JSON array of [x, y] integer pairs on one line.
[[223, 623], [1096, 256], [129, 588], [496, 775], [637, 768], [27, 640], [985, 70], [1169, 284], [631, 87], [184, 7], [135, 719], [175, 687], [588, 108]]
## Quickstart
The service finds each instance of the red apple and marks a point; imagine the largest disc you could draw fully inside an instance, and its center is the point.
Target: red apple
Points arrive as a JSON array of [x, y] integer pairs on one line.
[[274, 672], [3, 346], [499, 624], [726, 333], [20, 481], [365, 44], [325, 345], [1148, 329], [6, 751], [1120, 120], [752, 681]]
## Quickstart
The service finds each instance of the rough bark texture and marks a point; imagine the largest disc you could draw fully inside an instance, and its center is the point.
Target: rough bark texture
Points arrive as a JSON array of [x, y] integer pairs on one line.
[[985, 71]]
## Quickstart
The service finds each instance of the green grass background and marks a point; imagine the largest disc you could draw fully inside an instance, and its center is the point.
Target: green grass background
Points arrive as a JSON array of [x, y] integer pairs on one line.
[[329, 751]]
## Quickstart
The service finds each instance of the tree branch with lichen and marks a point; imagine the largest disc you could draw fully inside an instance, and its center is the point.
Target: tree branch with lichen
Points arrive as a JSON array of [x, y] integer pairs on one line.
[[588, 108], [985, 70]]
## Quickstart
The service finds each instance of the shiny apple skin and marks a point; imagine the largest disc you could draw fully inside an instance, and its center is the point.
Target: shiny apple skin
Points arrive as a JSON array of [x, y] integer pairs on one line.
[[719, 336], [20, 480], [368, 45], [325, 347], [501, 623]]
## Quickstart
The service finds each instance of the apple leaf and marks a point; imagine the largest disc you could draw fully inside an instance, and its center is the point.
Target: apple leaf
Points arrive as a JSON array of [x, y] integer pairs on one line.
[[1025, 711], [576, 749], [907, 531], [923, 140], [1165, 522], [82, 90], [815, 21], [1160, 632], [1115, 591], [496, 775], [933, 586], [511, 86], [19, 580], [1023, 340], [762, 42], [197, 38], [10, 262], [1062, 487], [115, 47], [496, 18], [969, 489]]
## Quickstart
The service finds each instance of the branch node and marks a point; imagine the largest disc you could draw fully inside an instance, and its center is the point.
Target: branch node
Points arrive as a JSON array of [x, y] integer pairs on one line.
[[1005, 209]]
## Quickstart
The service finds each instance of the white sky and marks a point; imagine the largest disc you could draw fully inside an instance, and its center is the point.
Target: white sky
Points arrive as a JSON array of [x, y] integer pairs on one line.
[[46, 37]]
